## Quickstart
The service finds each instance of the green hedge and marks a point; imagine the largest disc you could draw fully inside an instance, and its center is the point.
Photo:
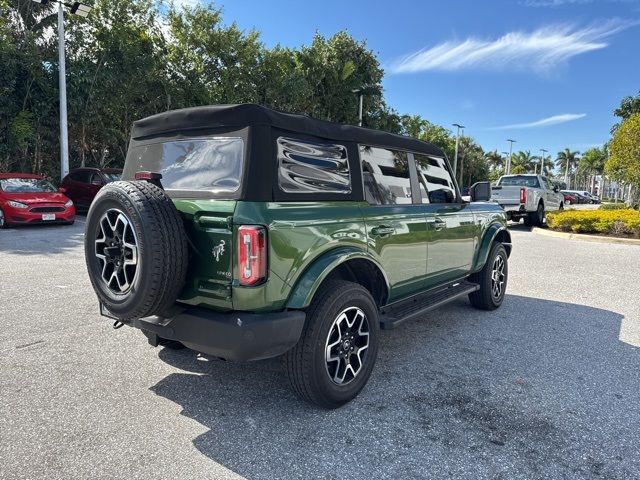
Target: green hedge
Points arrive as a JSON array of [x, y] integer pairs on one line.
[[613, 206], [625, 222]]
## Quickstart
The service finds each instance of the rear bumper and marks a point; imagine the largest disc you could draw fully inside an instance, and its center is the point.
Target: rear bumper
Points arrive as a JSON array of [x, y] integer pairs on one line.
[[239, 336], [514, 211]]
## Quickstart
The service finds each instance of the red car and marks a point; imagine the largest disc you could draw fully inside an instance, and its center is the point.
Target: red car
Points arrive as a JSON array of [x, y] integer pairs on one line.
[[570, 199], [82, 184], [26, 199]]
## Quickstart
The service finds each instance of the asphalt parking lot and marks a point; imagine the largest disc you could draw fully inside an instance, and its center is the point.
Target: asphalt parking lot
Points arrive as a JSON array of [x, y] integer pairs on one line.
[[546, 387]]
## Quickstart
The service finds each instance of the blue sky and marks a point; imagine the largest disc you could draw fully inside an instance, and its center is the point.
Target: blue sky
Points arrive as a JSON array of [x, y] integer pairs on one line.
[[546, 73]]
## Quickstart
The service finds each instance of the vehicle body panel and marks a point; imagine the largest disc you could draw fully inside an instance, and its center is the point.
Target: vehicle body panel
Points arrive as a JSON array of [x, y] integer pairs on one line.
[[397, 236], [451, 242]]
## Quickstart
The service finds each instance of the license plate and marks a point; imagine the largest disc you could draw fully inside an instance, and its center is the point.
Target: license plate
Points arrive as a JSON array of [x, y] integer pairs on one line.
[[106, 313], [48, 216]]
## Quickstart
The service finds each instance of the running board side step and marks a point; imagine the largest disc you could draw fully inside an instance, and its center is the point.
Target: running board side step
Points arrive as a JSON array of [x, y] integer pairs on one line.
[[393, 315]]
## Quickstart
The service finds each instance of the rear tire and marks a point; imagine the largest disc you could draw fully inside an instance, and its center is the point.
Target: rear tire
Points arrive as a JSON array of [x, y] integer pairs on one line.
[[329, 366], [492, 280], [135, 249], [535, 219], [3, 220]]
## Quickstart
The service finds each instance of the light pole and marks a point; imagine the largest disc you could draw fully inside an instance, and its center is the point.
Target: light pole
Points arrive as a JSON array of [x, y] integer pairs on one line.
[[455, 155], [542, 160], [360, 92], [510, 153], [82, 10]]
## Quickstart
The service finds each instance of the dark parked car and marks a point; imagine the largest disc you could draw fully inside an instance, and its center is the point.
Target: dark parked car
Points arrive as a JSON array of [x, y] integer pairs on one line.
[[247, 233], [82, 184]]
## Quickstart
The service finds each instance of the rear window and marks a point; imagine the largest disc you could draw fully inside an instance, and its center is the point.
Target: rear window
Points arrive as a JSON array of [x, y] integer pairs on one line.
[[208, 164], [519, 181]]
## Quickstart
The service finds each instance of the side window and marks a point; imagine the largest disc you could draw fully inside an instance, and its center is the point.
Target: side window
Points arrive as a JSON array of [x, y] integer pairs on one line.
[[95, 177], [385, 175], [436, 184], [307, 167]]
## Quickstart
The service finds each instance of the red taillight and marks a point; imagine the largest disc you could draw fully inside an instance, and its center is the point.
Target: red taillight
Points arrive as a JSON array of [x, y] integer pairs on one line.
[[252, 254], [523, 195], [147, 176]]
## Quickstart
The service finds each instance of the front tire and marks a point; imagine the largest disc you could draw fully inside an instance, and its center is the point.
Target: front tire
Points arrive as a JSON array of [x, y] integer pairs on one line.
[[3, 220], [334, 358], [492, 280]]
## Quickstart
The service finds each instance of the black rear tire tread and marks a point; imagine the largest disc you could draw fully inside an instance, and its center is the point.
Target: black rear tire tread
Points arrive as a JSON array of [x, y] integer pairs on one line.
[[166, 251]]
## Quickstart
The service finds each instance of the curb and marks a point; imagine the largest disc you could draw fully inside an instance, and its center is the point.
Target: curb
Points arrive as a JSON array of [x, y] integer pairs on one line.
[[585, 238]]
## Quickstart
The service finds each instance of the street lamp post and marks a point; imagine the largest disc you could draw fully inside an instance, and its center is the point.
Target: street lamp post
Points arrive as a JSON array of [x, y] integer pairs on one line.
[[360, 93], [511, 142], [505, 156], [455, 155], [542, 160], [81, 10]]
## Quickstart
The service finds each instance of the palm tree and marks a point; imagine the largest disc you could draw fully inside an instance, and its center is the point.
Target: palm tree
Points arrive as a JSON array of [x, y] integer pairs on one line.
[[522, 162], [495, 160], [567, 161], [592, 164]]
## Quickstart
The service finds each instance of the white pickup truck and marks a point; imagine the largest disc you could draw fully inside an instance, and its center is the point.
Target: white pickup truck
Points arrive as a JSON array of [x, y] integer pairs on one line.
[[527, 196]]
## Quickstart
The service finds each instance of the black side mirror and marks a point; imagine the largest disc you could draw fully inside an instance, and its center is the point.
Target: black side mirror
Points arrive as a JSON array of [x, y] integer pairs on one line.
[[480, 192]]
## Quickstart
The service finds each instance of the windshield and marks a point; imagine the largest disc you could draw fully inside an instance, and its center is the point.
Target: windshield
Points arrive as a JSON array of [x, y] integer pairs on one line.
[[519, 181], [213, 164], [27, 185], [111, 177]]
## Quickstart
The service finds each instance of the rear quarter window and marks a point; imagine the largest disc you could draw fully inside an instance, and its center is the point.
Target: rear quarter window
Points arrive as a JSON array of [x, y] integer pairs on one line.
[[312, 166]]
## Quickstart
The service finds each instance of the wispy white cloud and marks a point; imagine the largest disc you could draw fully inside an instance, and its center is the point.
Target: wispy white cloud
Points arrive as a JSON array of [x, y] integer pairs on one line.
[[544, 122], [540, 50], [553, 3], [188, 3], [560, 3]]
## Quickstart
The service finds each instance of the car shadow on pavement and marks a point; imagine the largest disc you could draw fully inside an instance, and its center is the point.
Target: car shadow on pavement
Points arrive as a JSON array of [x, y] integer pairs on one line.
[[42, 239], [537, 388]]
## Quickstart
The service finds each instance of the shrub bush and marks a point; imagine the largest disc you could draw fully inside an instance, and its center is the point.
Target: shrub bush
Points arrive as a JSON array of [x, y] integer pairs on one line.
[[613, 206], [611, 222]]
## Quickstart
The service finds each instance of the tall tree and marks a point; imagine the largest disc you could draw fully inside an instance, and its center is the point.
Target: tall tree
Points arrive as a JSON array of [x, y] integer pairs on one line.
[[624, 160], [629, 105], [522, 162], [495, 160], [566, 161], [592, 164]]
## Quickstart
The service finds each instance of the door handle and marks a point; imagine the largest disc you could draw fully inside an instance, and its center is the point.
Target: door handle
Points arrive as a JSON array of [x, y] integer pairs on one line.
[[382, 230]]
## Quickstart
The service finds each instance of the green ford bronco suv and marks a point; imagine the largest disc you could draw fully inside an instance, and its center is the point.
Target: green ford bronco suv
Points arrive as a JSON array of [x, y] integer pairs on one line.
[[246, 233]]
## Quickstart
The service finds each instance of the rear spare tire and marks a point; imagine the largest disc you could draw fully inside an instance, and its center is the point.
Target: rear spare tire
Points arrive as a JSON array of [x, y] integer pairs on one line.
[[135, 249]]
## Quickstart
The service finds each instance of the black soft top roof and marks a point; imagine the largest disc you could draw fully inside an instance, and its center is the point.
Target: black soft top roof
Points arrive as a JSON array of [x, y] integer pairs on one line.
[[248, 114]]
